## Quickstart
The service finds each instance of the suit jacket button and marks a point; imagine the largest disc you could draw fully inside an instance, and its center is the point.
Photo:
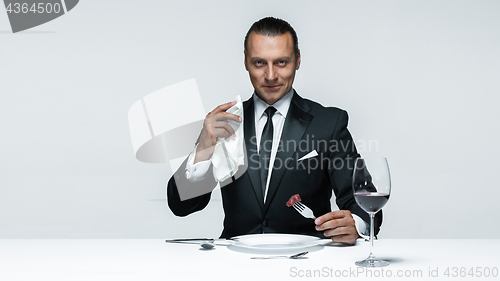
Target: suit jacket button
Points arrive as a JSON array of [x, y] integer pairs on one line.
[[264, 223]]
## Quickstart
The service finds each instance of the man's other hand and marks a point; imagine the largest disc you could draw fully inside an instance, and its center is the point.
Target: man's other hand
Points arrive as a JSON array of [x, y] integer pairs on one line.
[[339, 226], [215, 126]]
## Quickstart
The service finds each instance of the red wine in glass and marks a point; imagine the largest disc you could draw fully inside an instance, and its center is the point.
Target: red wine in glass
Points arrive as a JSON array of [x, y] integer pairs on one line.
[[371, 185], [371, 202]]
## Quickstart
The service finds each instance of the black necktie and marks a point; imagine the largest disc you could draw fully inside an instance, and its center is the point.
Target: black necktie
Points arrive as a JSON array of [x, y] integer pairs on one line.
[[266, 144]]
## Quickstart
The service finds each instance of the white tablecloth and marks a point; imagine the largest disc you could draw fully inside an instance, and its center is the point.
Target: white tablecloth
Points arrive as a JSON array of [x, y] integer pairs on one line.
[[143, 259]]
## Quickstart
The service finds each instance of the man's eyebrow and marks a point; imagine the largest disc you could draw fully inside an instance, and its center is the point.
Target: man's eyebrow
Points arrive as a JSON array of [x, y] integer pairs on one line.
[[283, 58], [278, 59]]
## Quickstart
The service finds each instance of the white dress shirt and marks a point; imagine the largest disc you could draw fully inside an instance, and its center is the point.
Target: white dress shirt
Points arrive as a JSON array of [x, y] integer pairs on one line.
[[279, 116]]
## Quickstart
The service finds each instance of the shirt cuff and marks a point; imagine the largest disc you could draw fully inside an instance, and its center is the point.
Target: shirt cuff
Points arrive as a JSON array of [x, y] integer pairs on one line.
[[196, 172], [361, 226]]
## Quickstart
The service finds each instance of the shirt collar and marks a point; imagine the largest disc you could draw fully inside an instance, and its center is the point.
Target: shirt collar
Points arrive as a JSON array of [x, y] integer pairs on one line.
[[281, 105]]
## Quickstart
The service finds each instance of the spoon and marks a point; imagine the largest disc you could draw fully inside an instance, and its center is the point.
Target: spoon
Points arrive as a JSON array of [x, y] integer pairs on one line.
[[207, 245], [296, 256]]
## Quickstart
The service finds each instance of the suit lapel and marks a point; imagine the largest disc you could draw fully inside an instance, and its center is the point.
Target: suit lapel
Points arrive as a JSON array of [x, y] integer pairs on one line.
[[252, 155], [296, 122]]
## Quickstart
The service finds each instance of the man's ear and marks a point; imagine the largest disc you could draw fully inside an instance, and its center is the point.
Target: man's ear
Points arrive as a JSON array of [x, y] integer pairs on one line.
[[298, 61], [245, 62]]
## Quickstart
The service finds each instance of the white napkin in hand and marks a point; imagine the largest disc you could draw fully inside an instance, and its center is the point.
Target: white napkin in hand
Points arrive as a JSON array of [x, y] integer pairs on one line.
[[229, 154]]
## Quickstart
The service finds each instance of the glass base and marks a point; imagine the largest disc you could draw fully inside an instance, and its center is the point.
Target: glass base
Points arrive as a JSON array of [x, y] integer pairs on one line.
[[372, 263]]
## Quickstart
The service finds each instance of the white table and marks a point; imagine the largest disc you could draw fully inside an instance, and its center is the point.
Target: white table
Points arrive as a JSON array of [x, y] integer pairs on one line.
[[111, 260]]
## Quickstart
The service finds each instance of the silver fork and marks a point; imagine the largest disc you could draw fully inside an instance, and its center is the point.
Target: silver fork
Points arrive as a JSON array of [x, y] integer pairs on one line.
[[296, 256], [304, 210]]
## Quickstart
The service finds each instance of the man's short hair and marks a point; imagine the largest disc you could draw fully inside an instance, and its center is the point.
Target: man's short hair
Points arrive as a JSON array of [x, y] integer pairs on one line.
[[273, 27]]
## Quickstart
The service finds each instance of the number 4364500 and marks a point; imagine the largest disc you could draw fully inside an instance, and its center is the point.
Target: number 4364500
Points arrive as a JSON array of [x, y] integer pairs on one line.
[[34, 8]]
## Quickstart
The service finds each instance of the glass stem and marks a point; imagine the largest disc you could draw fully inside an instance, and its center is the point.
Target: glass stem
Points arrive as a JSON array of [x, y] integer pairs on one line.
[[372, 234]]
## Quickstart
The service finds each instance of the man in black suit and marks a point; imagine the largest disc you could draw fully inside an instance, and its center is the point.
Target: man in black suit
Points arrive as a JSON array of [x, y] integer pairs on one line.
[[293, 146]]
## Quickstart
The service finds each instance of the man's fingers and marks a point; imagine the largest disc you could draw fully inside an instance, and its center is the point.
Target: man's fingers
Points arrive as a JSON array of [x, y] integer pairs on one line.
[[339, 225], [225, 116], [222, 107], [215, 126], [338, 231], [346, 238], [224, 126], [219, 113], [336, 220], [332, 215], [331, 224], [217, 120], [346, 235]]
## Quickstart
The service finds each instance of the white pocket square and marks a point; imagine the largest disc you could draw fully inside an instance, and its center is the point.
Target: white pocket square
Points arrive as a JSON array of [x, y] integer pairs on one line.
[[309, 155]]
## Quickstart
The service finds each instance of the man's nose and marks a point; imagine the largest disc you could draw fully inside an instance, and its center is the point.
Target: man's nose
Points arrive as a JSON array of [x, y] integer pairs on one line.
[[271, 73]]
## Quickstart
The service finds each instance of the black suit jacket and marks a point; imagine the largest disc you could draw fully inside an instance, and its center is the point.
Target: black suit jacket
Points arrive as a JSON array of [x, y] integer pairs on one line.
[[308, 126]]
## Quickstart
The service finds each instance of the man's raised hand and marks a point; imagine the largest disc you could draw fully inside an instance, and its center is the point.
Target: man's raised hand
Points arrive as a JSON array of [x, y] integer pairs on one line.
[[215, 126]]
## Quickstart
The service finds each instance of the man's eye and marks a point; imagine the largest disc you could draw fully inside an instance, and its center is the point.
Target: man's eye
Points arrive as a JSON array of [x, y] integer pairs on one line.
[[281, 63], [259, 63]]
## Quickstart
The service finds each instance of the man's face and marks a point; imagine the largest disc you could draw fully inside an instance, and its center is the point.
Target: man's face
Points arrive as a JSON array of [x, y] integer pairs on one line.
[[271, 64]]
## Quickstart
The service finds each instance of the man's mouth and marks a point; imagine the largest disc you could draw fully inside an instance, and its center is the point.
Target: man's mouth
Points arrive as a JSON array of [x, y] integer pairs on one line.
[[272, 87]]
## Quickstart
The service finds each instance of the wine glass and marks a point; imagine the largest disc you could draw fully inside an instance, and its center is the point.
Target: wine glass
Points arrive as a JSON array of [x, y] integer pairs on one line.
[[371, 183]]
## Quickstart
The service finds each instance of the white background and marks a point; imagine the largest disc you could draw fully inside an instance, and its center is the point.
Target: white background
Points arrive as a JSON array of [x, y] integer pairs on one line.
[[421, 78]]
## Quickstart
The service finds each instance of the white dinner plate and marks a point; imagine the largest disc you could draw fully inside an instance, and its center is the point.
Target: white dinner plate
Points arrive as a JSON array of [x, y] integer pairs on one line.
[[275, 243]]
